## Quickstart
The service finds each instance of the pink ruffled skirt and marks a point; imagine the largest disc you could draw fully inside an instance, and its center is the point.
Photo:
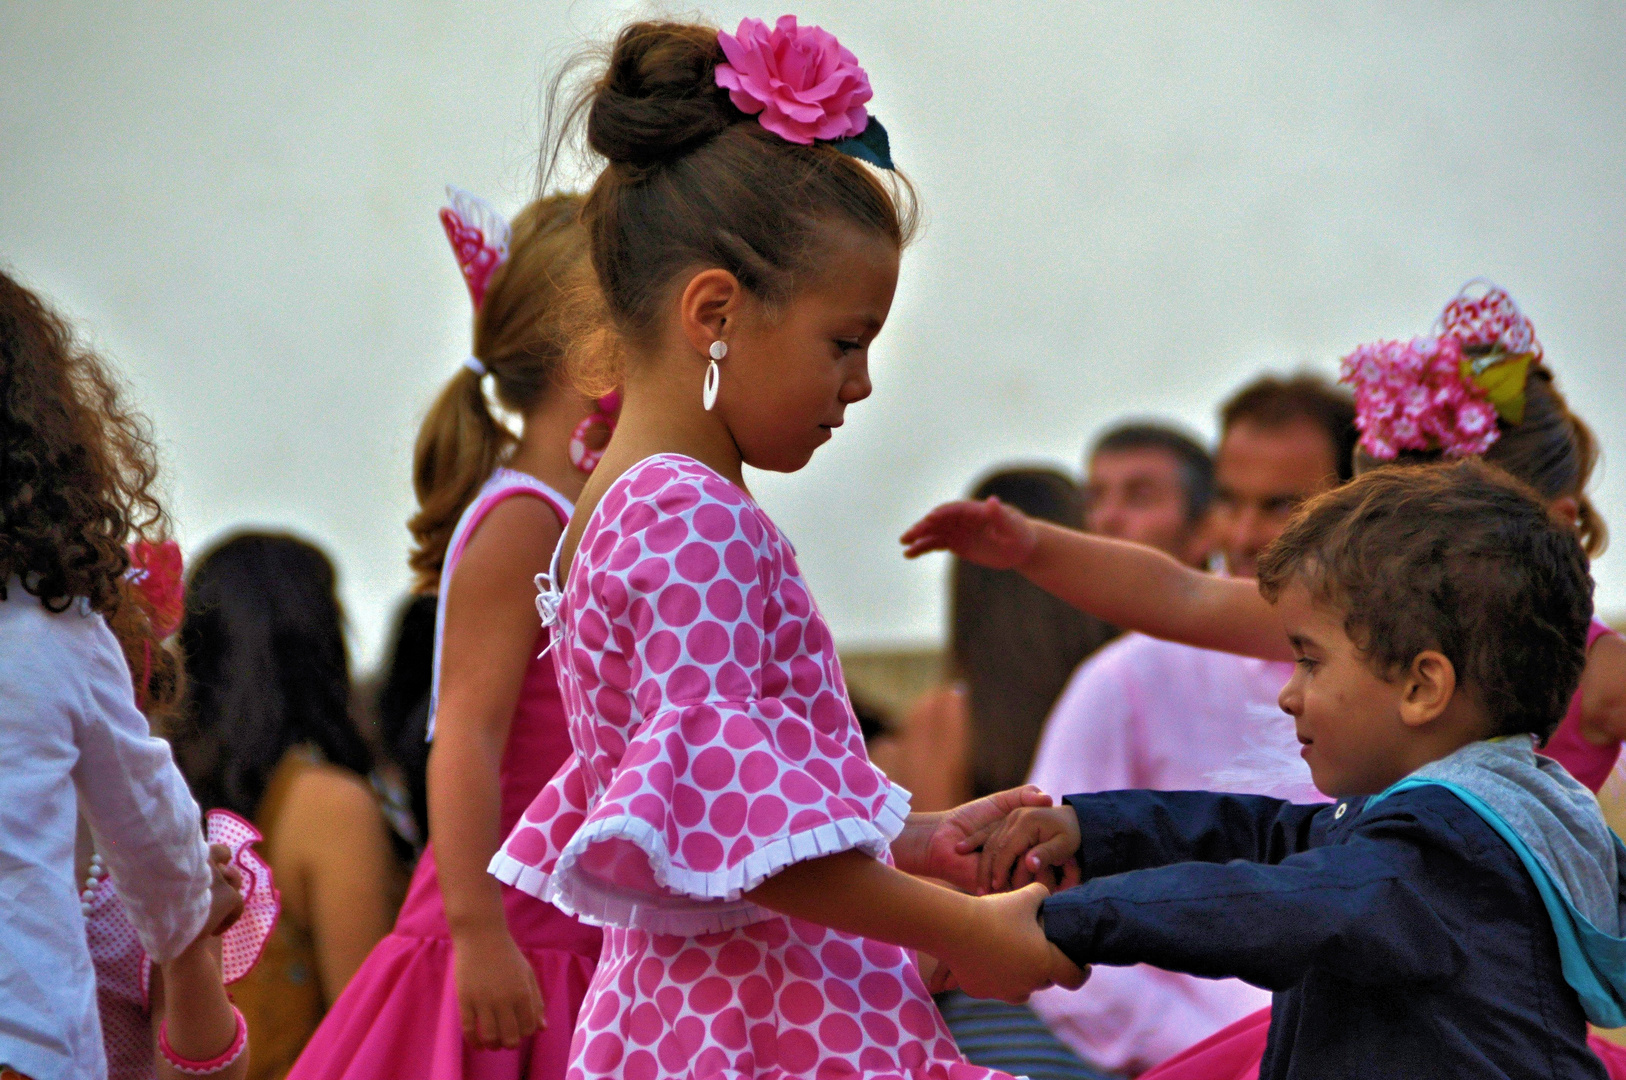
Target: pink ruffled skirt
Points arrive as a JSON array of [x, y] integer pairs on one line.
[[398, 1018]]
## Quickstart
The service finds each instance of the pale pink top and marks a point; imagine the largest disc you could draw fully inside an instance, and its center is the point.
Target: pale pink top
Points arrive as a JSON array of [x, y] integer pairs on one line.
[[1144, 713], [714, 746]]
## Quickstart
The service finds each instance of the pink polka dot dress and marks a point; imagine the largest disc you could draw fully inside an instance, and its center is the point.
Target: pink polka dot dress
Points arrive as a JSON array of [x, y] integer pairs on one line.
[[714, 746]]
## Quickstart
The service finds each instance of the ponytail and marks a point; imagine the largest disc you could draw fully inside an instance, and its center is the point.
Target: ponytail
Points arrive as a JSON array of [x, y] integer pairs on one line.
[[519, 338], [459, 445]]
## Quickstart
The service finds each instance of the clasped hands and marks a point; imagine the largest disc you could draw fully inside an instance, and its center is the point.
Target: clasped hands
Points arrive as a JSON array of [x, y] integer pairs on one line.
[[1008, 851]]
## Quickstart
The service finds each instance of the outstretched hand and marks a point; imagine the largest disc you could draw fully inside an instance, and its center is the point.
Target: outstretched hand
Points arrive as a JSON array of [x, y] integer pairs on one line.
[[988, 533]]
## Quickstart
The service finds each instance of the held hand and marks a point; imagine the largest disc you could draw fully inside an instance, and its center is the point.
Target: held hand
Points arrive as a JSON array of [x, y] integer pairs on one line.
[[1005, 954], [988, 533], [1030, 844], [934, 845], [225, 892], [497, 995]]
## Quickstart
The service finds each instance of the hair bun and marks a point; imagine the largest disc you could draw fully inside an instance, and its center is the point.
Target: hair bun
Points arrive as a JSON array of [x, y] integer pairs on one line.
[[659, 98]]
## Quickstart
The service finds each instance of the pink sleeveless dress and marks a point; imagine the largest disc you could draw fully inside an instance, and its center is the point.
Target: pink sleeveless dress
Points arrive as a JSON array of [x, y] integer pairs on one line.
[[1234, 1053], [715, 746], [398, 1018]]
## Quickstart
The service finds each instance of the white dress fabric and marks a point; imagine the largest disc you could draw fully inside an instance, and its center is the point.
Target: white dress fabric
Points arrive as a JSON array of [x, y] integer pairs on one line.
[[72, 739], [714, 746]]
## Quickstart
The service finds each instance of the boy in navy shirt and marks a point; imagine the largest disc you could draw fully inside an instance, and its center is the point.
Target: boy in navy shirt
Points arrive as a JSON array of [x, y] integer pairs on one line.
[[1459, 910]]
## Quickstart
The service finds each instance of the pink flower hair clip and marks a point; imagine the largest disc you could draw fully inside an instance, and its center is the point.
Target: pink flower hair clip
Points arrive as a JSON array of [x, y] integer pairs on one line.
[[802, 85], [1410, 395], [1446, 392]]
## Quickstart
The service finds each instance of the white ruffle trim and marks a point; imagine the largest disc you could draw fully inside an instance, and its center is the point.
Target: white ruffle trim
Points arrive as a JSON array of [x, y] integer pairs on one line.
[[705, 902]]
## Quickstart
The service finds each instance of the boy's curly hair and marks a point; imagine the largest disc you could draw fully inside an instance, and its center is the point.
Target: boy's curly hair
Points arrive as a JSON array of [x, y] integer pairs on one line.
[[76, 476], [1458, 557]]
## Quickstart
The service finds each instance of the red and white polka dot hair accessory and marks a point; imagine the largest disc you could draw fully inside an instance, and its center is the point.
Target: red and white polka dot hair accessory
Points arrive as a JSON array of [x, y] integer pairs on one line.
[[1483, 316], [479, 236]]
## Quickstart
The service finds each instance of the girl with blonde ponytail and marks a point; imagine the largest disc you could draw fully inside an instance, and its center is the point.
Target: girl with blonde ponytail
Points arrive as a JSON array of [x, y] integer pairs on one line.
[[479, 979]]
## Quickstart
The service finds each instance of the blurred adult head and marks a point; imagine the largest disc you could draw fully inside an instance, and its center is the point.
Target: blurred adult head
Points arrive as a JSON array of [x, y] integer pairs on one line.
[[1014, 644], [263, 644], [1282, 441], [1153, 484]]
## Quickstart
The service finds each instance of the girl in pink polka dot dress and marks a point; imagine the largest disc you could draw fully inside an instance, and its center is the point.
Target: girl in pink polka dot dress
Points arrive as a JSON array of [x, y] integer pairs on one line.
[[719, 816]]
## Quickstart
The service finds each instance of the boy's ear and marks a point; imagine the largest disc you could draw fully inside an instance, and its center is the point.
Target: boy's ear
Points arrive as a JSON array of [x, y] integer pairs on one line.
[[1427, 688]]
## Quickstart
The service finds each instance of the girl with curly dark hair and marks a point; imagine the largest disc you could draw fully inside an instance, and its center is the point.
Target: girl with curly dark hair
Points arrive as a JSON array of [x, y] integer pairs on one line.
[[76, 472]]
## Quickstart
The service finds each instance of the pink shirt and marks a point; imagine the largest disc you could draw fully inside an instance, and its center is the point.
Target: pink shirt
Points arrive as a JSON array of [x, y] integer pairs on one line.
[[1144, 713]]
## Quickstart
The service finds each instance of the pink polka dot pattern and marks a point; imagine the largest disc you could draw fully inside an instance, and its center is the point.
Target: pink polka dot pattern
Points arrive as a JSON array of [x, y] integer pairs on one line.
[[715, 745]]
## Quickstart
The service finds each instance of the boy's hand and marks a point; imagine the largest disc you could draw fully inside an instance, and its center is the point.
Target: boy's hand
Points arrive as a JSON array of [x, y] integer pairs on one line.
[[1028, 845], [225, 892], [988, 533], [1005, 954]]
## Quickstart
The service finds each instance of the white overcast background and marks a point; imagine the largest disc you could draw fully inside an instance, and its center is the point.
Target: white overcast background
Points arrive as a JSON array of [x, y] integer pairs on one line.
[[1131, 209]]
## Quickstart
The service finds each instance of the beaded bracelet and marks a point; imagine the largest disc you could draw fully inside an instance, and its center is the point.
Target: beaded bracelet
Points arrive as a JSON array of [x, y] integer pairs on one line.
[[214, 1064]]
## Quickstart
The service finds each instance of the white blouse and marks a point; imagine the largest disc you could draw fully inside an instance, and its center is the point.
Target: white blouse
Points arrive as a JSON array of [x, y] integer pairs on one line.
[[69, 724]]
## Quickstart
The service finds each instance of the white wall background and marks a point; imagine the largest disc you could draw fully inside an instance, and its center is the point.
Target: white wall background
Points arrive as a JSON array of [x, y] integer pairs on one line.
[[1133, 208]]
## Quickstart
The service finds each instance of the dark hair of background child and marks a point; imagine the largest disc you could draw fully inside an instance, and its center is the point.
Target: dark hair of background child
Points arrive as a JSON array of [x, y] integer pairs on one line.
[[263, 639], [1013, 644]]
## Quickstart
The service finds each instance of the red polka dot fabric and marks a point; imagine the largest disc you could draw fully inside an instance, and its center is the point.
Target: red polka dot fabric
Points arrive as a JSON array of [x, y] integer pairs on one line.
[[715, 746]]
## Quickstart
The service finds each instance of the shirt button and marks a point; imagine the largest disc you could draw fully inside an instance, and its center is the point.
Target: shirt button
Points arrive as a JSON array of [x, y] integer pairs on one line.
[[1338, 813]]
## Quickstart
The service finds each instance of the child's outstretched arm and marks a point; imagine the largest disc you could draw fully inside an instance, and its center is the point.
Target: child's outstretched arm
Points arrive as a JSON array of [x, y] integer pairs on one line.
[[993, 944], [1367, 907], [1129, 585]]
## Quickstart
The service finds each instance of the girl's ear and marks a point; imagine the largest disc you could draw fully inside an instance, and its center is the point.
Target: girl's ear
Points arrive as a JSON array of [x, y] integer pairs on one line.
[[1566, 508], [710, 300], [1427, 688]]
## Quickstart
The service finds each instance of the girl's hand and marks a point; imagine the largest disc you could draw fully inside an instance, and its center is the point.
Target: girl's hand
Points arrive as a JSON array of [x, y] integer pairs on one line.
[[1028, 845], [988, 533], [933, 845], [1005, 955], [497, 995], [225, 892]]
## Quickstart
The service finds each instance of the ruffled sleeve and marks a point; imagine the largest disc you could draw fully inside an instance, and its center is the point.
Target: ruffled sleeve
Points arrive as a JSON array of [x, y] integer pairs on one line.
[[690, 784]]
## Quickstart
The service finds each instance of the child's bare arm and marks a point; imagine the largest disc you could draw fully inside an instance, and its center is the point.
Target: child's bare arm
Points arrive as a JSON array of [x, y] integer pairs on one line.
[[993, 944], [1129, 585]]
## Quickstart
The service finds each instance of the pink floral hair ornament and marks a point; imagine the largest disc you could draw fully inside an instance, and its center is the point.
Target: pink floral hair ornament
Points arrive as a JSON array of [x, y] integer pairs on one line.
[[479, 237], [1446, 392], [802, 85]]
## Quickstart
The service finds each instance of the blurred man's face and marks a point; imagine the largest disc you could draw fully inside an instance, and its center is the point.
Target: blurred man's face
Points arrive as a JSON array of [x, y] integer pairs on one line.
[[1262, 474], [1136, 495]]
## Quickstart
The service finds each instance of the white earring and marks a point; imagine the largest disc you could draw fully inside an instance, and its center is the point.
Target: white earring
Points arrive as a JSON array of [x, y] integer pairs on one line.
[[714, 375]]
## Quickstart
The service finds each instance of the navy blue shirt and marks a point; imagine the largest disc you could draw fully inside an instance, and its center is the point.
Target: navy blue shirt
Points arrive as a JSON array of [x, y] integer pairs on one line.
[[1406, 941]]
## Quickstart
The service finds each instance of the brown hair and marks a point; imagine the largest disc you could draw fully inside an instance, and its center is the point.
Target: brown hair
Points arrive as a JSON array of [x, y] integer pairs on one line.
[[76, 475], [691, 181], [1014, 644], [1552, 450], [1458, 557], [518, 336], [1271, 401]]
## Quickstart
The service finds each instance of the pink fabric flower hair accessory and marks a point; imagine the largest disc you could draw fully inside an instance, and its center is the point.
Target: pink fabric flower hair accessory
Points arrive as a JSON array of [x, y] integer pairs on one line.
[[802, 85], [1410, 395]]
